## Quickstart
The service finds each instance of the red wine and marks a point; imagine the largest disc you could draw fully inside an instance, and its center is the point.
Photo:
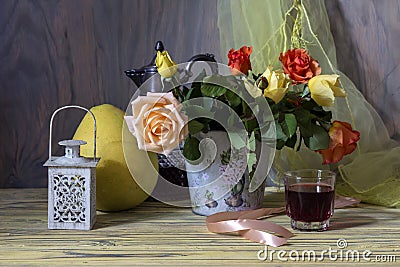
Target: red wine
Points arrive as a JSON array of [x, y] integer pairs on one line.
[[309, 202]]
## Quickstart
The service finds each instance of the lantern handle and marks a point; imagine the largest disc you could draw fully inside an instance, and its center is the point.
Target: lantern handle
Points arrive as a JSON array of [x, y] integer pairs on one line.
[[94, 127]]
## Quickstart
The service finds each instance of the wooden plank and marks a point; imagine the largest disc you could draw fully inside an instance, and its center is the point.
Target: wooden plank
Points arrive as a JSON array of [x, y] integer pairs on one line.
[[155, 234]]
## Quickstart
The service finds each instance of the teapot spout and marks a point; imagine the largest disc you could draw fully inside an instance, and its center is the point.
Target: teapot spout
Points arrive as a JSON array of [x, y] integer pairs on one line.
[[139, 76], [135, 76]]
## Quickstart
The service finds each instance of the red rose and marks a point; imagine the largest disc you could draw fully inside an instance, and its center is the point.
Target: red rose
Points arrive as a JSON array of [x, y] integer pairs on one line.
[[299, 65], [342, 142], [239, 60]]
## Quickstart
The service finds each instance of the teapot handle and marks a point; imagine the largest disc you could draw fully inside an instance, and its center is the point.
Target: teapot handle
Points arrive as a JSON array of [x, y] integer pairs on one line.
[[202, 57]]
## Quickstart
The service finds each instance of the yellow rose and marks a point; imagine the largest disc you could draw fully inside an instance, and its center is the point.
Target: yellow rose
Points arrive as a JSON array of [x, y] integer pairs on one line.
[[157, 122], [324, 88], [165, 65], [275, 84]]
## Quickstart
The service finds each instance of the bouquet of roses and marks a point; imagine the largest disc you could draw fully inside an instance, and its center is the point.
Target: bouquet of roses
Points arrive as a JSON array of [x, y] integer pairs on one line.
[[296, 95]]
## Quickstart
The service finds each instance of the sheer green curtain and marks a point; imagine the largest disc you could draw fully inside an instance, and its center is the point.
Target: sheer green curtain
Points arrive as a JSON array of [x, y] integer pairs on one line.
[[372, 172]]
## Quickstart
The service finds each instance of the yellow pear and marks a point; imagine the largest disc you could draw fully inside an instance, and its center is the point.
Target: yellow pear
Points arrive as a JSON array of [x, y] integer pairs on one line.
[[116, 189]]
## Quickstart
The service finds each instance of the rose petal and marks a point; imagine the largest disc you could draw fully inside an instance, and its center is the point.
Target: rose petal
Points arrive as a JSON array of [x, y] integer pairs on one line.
[[129, 120], [239, 61], [342, 142], [157, 122], [338, 153]]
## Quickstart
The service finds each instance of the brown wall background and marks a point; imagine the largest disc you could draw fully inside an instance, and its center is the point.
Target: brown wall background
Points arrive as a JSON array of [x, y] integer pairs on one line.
[[367, 38], [55, 53]]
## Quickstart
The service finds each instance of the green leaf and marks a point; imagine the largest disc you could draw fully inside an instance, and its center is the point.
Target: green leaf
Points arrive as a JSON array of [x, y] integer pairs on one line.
[[303, 117], [191, 148], [212, 90], [319, 138], [280, 144], [195, 127], [196, 111], [224, 81], [280, 135], [233, 99], [289, 124], [238, 141], [255, 77], [185, 90], [291, 142], [252, 142], [195, 91], [317, 111], [251, 160], [250, 125]]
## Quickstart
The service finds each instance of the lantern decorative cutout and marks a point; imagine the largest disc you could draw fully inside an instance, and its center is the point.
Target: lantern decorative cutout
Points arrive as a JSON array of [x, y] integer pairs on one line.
[[71, 184]]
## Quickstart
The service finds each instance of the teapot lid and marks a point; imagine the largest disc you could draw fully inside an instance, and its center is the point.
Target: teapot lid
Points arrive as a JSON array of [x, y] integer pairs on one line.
[[151, 67]]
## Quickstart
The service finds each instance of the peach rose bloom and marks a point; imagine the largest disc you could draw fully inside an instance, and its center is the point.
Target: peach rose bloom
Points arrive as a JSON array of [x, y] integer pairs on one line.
[[343, 141], [157, 122]]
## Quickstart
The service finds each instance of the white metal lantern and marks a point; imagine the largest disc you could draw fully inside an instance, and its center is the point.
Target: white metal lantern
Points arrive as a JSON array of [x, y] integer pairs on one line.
[[72, 184]]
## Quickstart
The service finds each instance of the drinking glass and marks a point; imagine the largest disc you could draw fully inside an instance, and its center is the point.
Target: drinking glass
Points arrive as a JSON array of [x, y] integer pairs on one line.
[[310, 196]]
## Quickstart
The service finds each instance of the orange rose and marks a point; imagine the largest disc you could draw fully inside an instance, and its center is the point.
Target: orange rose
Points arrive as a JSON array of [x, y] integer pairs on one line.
[[343, 141], [239, 60], [299, 65]]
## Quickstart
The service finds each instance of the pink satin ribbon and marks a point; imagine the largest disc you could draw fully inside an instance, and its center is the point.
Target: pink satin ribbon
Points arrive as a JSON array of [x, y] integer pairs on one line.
[[342, 202], [249, 225]]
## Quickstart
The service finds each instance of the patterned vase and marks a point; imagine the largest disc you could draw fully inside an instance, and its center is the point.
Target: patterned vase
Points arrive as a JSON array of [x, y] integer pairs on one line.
[[223, 183]]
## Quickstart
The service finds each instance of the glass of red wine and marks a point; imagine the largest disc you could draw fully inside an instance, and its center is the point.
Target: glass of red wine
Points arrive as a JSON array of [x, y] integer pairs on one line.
[[310, 196]]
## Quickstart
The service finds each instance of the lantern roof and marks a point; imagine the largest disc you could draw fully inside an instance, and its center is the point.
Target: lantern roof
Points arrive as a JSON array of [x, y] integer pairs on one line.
[[72, 156], [61, 162]]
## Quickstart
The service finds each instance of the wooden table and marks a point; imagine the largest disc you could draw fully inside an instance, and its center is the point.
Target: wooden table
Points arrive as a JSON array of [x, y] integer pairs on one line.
[[155, 234]]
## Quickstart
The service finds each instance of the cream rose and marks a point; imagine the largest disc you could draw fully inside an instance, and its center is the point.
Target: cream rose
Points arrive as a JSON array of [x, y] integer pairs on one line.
[[324, 88], [274, 84], [157, 122]]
